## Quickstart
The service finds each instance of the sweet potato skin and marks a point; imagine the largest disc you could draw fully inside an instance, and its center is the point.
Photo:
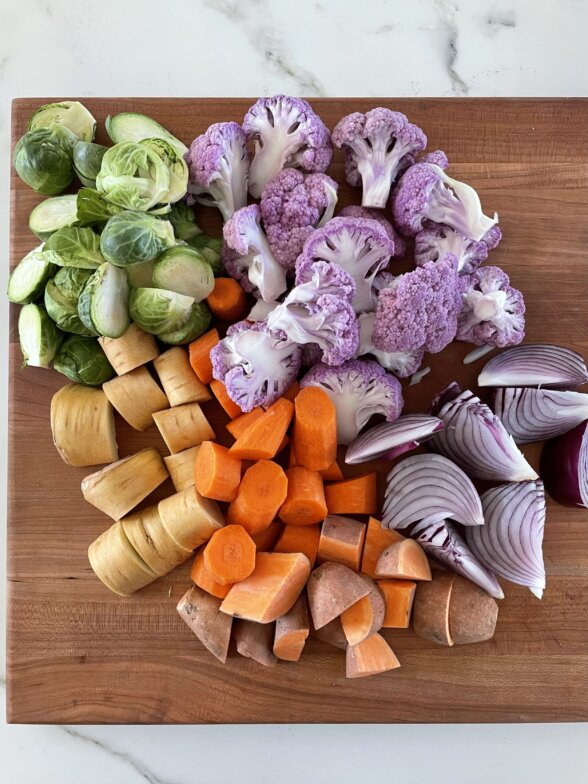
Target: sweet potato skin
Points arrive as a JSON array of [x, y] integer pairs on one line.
[[201, 612], [332, 588]]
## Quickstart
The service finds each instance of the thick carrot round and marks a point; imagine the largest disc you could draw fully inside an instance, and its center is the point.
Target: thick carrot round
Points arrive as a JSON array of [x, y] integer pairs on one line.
[[353, 496], [200, 355], [305, 503], [239, 425], [217, 473], [203, 579], [315, 429], [266, 540], [333, 473], [262, 439], [229, 555], [300, 539], [219, 390], [261, 493], [227, 301]]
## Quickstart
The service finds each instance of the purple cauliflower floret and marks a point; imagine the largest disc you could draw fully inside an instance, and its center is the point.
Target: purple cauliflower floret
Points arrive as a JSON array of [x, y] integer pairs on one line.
[[426, 193], [361, 247], [493, 313], [286, 133], [355, 211], [359, 388], [218, 166], [378, 145], [433, 242], [318, 310], [292, 206], [252, 263], [256, 364], [419, 309], [401, 363], [438, 157]]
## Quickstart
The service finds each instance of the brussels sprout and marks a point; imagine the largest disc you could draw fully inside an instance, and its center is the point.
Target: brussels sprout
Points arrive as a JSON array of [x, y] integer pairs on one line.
[[133, 176], [159, 311], [182, 269], [184, 222], [72, 115], [197, 324], [75, 248], [93, 209], [39, 337], [83, 361], [43, 161], [61, 299], [210, 250], [87, 160], [103, 305], [28, 278], [176, 166], [141, 275], [57, 212], [131, 237], [133, 127]]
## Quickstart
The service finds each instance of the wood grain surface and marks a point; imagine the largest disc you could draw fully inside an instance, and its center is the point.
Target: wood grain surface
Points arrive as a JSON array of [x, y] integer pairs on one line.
[[78, 653]]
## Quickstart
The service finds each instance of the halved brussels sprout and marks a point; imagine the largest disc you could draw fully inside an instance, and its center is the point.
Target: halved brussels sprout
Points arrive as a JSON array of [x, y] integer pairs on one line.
[[43, 159], [141, 275], [183, 269], [133, 176], [62, 294], [103, 305], [83, 361], [93, 209], [176, 166], [72, 115], [210, 249], [134, 127], [39, 337], [57, 212], [28, 278], [159, 311], [131, 237], [197, 324], [87, 160], [184, 221], [75, 248]]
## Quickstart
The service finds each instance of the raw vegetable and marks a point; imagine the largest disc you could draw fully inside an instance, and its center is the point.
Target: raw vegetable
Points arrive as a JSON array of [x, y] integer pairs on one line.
[[87, 160], [493, 312], [57, 212], [291, 633], [305, 502], [62, 294], [183, 270], [434, 241], [189, 519], [538, 414], [220, 392], [183, 220], [332, 588], [365, 617], [181, 467], [75, 247], [179, 382], [564, 467], [103, 306], [377, 539], [401, 363], [201, 612], [201, 577], [370, 657], [356, 211], [183, 426], [134, 127], [315, 429], [299, 539], [159, 311], [255, 641], [430, 614], [236, 427], [82, 360], [217, 472], [398, 598], [391, 439], [472, 613], [200, 355], [42, 159], [116, 563], [151, 541], [130, 237], [266, 540], [271, 590], [227, 300], [27, 280], [357, 495], [39, 337], [71, 115], [229, 555], [332, 634], [403, 560], [177, 170], [535, 365], [131, 350], [93, 209], [210, 250], [82, 425], [341, 541], [133, 176], [198, 321], [261, 493], [262, 439], [331, 474], [136, 396]]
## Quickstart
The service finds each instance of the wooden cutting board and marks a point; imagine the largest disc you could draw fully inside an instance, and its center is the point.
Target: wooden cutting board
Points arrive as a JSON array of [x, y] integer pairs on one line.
[[78, 653]]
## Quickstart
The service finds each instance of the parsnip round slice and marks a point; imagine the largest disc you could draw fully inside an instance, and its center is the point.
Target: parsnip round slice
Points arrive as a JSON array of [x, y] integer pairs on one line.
[[182, 427], [133, 349], [189, 518], [117, 564], [136, 396], [82, 424], [152, 542], [179, 382], [181, 468]]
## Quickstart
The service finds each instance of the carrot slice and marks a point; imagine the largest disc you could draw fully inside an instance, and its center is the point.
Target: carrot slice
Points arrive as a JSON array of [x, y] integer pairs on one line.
[[377, 539], [262, 439], [266, 540], [357, 495], [203, 579], [200, 355], [220, 392], [292, 455], [305, 502], [300, 539], [227, 301], [229, 555], [261, 493], [240, 424], [315, 429], [331, 474], [217, 473]]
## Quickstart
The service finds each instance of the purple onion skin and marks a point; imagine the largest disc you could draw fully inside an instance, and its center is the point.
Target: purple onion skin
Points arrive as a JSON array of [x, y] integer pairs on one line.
[[446, 395], [560, 466], [401, 450]]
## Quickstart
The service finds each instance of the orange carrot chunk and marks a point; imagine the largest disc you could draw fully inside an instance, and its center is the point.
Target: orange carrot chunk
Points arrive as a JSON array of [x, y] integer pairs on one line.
[[261, 493], [229, 555], [217, 473], [377, 539], [333, 473], [200, 355], [353, 496], [305, 503], [266, 540], [262, 439], [220, 392], [227, 301], [299, 539], [203, 579], [315, 429], [240, 424]]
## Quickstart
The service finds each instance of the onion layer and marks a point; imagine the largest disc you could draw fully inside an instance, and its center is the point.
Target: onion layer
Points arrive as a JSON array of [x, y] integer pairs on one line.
[[535, 365], [426, 486], [564, 467], [538, 414], [477, 441], [510, 542], [391, 439]]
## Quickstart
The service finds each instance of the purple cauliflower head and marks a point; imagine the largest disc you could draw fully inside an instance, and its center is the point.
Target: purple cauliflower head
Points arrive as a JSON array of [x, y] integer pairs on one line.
[[493, 313], [438, 157], [434, 241], [286, 133], [355, 211], [419, 309], [426, 193], [378, 145], [218, 166], [292, 206], [401, 363], [252, 261], [256, 364], [359, 388]]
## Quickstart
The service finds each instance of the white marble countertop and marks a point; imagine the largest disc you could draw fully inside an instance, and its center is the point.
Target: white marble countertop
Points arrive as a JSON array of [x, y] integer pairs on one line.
[[255, 47]]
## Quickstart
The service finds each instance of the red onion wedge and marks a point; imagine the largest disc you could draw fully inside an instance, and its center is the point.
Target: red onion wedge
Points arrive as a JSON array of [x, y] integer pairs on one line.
[[424, 486], [564, 467], [476, 439], [535, 365], [510, 542], [444, 541], [391, 439], [538, 414]]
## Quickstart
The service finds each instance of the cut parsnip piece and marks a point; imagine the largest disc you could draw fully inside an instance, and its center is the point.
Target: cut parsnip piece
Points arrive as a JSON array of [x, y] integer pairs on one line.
[[184, 426], [254, 641], [332, 588], [82, 424], [136, 396], [377, 539], [179, 382], [181, 467], [341, 541], [272, 588], [405, 560], [332, 633], [370, 657], [200, 612], [292, 630], [398, 598], [120, 486], [366, 616], [430, 615], [116, 563], [133, 349], [472, 613], [152, 542], [189, 518]]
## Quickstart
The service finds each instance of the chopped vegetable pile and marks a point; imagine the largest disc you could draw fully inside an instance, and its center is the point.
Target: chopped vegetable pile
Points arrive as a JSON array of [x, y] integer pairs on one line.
[[298, 324]]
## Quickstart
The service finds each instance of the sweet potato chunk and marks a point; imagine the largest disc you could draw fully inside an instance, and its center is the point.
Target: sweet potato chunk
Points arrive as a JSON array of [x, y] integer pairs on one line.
[[292, 629], [366, 616], [398, 598], [430, 614], [255, 641], [202, 614], [332, 588], [341, 541], [370, 657], [377, 539], [472, 613], [404, 560]]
